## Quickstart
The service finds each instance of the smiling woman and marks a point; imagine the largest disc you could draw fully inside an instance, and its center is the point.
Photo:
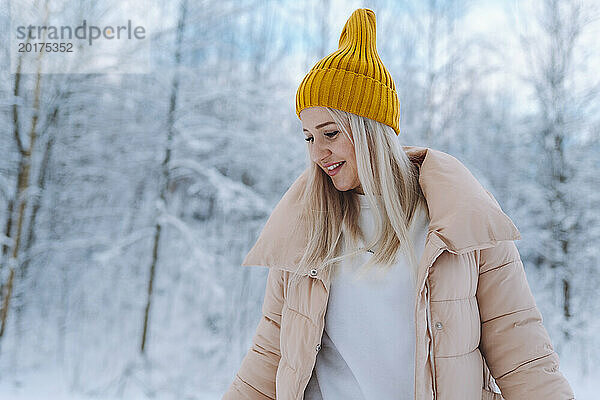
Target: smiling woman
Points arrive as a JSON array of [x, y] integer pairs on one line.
[[393, 271], [349, 158]]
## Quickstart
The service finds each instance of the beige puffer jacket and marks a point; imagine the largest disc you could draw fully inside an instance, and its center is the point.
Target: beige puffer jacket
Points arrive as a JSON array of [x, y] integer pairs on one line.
[[473, 309]]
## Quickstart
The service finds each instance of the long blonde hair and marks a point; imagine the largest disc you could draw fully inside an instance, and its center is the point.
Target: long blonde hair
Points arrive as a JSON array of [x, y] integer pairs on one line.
[[390, 183]]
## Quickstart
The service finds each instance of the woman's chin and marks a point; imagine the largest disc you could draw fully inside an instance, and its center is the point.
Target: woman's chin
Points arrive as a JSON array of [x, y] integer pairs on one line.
[[342, 187]]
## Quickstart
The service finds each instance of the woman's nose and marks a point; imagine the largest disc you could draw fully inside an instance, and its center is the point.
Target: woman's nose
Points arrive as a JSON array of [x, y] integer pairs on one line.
[[319, 152]]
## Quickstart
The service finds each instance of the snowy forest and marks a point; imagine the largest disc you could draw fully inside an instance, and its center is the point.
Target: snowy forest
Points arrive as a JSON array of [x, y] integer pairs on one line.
[[129, 200]]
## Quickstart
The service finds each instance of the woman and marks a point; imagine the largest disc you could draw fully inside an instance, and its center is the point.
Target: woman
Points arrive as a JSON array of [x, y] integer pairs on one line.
[[393, 273]]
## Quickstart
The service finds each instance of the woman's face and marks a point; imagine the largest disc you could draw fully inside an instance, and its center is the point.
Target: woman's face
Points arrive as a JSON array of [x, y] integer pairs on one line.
[[328, 147]]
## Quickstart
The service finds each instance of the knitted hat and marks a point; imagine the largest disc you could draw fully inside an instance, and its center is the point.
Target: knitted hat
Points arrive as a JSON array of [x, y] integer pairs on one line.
[[353, 78]]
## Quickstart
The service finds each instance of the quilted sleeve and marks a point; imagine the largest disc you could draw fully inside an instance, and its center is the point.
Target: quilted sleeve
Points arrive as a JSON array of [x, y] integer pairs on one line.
[[255, 379], [514, 342]]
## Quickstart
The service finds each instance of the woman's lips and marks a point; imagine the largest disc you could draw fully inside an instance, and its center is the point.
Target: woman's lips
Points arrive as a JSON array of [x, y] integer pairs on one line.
[[336, 170]]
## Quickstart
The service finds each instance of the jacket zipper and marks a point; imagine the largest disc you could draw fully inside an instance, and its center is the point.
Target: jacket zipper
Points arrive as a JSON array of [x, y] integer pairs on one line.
[[425, 285], [429, 329], [322, 328], [429, 325]]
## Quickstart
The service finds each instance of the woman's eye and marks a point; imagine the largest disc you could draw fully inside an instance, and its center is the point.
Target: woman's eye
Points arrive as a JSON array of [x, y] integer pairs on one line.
[[328, 134]]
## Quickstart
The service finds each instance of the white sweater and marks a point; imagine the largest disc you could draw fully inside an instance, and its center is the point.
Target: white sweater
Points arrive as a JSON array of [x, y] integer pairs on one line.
[[368, 344]]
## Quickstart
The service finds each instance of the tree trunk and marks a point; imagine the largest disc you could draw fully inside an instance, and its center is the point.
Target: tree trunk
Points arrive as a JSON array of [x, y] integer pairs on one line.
[[23, 183], [165, 167], [23, 179]]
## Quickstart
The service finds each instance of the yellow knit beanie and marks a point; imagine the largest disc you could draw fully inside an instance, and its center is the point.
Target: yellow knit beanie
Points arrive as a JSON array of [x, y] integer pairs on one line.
[[353, 78]]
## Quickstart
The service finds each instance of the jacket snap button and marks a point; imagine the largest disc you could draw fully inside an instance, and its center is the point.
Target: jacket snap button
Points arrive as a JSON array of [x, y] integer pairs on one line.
[[318, 347], [438, 325], [313, 272]]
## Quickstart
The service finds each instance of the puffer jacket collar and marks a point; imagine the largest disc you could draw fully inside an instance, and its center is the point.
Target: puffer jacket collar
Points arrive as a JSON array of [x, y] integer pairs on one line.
[[463, 214]]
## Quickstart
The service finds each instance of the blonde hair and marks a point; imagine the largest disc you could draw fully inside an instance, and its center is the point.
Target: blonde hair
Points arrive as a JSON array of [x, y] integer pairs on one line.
[[390, 183]]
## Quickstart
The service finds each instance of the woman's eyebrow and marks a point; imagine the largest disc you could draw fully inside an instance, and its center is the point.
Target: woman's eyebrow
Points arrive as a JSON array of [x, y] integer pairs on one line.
[[320, 125]]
